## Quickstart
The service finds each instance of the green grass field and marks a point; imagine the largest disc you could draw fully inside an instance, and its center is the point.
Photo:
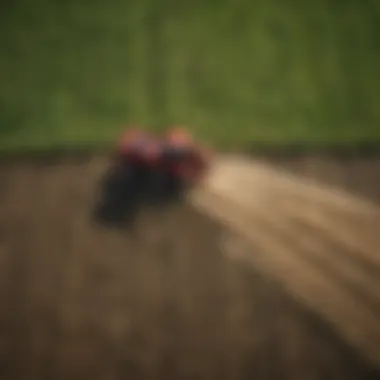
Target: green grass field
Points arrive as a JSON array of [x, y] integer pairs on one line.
[[236, 71]]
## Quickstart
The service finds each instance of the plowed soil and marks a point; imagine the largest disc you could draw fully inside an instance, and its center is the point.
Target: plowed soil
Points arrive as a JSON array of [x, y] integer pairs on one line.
[[160, 301], [358, 173]]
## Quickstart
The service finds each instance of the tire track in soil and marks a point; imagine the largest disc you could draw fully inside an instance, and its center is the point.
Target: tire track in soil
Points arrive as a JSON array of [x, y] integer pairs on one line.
[[81, 302]]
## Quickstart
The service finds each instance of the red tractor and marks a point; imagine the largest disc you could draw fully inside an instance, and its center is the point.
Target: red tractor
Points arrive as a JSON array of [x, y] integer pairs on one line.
[[175, 153], [151, 168]]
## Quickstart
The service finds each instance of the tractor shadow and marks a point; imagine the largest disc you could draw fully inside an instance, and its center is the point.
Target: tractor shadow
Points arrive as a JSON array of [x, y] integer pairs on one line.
[[124, 192]]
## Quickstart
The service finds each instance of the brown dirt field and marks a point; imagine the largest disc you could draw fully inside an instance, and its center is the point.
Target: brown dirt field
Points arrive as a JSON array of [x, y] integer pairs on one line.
[[160, 302], [357, 173]]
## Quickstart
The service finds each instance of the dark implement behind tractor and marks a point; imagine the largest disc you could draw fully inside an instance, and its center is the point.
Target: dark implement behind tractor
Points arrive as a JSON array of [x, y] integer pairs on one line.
[[149, 170]]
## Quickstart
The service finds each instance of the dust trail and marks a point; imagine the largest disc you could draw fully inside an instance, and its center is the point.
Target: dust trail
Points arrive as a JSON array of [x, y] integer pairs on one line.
[[323, 244]]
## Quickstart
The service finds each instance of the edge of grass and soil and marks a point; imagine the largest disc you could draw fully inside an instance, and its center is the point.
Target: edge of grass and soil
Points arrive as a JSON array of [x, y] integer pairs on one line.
[[275, 152]]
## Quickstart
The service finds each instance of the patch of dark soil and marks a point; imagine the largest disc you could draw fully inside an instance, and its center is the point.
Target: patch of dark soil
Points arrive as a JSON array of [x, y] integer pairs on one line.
[[334, 151], [315, 358]]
